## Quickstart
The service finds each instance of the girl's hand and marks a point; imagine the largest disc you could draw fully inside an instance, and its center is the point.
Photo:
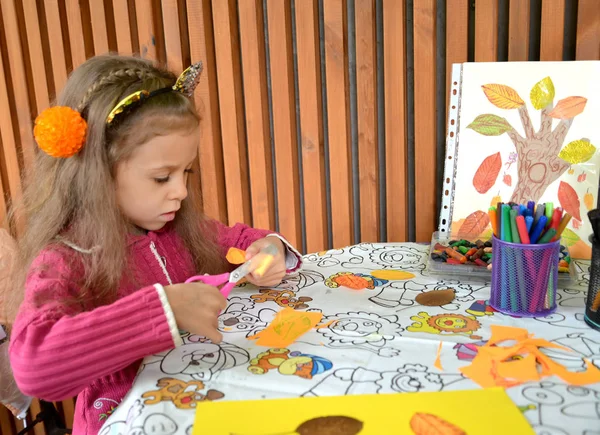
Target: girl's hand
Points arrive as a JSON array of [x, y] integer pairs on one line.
[[275, 271], [196, 307]]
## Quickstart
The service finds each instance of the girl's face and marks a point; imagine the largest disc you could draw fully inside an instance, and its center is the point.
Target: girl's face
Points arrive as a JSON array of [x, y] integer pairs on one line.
[[152, 182]]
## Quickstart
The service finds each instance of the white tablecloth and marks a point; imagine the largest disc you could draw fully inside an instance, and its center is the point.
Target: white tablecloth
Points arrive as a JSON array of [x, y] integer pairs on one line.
[[382, 342]]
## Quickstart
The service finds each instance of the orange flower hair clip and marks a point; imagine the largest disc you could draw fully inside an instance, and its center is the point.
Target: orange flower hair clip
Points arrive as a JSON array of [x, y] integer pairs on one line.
[[60, 131]]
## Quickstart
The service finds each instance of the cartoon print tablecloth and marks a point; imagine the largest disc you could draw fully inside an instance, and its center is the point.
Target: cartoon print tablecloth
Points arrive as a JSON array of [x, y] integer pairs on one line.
[[382, 342]]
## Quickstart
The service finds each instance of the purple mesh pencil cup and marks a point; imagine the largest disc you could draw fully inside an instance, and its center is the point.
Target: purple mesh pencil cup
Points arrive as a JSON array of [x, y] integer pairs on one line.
[[524, 278]]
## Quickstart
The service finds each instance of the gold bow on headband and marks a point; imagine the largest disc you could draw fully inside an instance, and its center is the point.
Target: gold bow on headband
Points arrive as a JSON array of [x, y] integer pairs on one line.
[[185, 84]]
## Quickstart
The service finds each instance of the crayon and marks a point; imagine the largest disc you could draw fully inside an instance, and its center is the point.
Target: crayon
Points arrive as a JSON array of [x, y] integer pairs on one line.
[[522, 227], [547, 236], [493, 220], [537, 230], [456, 255], [514, 231], [529, 223], [480, 262]]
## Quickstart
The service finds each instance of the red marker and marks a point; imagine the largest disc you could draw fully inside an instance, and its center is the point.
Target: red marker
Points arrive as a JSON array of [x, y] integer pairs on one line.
[[522, 227]]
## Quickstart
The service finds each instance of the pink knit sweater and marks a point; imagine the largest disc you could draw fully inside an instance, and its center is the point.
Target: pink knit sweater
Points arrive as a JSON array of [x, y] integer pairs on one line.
[[58, 352]]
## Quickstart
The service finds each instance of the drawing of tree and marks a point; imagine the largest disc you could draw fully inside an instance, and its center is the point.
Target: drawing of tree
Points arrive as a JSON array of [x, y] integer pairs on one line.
[[541, 157]]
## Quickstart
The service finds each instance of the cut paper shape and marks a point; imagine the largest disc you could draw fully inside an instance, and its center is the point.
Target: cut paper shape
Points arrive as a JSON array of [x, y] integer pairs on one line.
[[508, 366], [436, 298], [397, 275], [488, 411], [429, 424], [236, 256], [438, 362], [335, 424], [287, 326]]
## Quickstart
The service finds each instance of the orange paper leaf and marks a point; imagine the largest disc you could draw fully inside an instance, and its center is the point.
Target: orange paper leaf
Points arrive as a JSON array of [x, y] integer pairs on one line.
[[503, 96], [568, 107], [521, 370], [569, 200], [236, 256], [287, 326], [438, 362], [475, 223], [429, 424], [487, 173]]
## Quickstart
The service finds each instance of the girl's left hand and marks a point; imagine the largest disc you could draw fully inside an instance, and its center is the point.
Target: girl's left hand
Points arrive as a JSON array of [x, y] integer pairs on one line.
[[274, 272]]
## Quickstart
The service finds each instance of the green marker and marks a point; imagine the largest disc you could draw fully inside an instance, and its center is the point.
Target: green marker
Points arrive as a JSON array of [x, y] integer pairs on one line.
[[547, 236], [514, 231], [549, 212], [506, 230]]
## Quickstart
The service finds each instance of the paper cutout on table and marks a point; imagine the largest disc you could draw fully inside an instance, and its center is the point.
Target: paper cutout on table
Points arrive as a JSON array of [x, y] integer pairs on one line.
[[436, 298], [392, 275], [236, 256], [438, 362], [286, 327], [507, 366], [488, 411], [335, 424], [429, 424]]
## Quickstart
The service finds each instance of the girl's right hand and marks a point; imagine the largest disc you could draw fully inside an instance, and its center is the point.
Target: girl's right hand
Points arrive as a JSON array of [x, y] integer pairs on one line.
[[196, 307]]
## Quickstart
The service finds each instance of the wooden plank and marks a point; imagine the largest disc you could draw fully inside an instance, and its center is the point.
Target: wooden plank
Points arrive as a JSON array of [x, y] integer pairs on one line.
[[34, 410], [68, 408], [394, 71], [122, 27], [311, 124], [552, 35], [457, 38], [6, 418], [3, 194], [518, 30], [170, 15], [231, 110], [486, 30], [19, 84], [340, 166], [284, 119], [57, 49], [425, 119], [588, 30], [36, 54], [99, 29], [145, 27], [76, 36], [366, 102], [256, 99], [9, 146], [210, 154]]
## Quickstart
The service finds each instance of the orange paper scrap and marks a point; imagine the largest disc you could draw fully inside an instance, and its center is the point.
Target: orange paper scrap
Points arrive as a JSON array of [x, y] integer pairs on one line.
[[522, 361], [287, 326], [236, 256], [438, 362]]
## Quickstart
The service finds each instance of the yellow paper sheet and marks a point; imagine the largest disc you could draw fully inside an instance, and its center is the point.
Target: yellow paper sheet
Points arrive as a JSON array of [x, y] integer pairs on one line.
[[488, 411]]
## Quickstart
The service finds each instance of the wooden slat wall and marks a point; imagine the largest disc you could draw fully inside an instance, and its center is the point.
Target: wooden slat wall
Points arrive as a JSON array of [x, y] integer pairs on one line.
[[277, 149]]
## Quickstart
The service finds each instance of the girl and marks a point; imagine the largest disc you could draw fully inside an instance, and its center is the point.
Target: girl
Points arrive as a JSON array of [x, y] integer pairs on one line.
[[112, 234]]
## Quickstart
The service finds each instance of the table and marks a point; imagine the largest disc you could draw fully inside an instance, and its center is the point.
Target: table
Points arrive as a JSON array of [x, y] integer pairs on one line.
[[382, 342]]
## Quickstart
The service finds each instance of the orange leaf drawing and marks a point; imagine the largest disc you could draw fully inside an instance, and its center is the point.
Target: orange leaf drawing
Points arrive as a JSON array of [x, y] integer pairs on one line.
[[507, 179], [569, 200], [588, 200], [429, 424], [503, 96], [568, 107], [487, 173], [475, 223]]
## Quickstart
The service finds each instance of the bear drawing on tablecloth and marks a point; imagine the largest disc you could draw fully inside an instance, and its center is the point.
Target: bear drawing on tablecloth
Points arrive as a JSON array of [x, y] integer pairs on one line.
[[361, 331], [409, 378], [135, 424], [239, 318]]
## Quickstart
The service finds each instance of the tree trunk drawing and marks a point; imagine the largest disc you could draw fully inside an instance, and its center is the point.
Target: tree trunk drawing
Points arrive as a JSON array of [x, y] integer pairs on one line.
[[538, 164]]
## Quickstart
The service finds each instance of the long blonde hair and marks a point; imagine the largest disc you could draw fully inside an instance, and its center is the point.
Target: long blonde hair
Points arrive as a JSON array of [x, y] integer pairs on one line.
[[74, 198]]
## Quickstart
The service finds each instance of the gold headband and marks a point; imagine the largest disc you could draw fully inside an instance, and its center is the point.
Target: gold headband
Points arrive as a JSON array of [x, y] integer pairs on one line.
[[185, 84]]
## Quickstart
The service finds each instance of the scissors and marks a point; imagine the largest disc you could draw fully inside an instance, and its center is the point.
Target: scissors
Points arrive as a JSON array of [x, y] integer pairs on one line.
[[256, 264]]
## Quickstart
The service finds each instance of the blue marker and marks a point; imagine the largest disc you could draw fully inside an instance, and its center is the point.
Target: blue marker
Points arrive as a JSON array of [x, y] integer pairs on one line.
[[528, 223], [530, 207], [522, 209], [537, 230]]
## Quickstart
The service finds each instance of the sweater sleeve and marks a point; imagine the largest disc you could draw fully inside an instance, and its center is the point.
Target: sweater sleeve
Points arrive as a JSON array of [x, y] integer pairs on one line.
[[242, 236], [56, 351]]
